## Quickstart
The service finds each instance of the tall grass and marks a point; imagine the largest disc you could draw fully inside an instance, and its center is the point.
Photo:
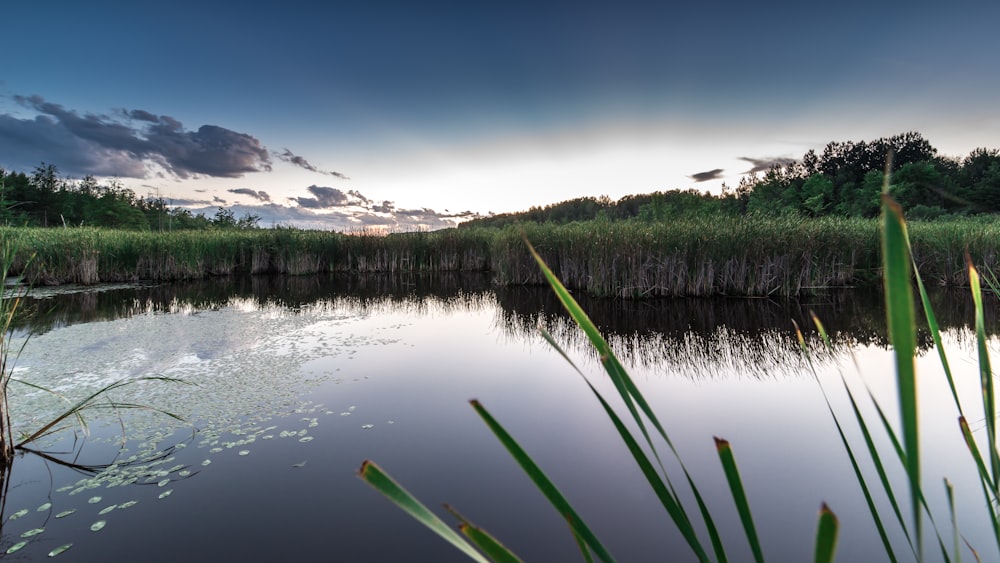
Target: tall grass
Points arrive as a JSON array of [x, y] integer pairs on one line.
[[651, 443], [700, 256], [10, 307]]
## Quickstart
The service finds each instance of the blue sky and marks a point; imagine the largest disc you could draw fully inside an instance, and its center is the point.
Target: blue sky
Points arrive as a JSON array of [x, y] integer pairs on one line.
[[344, 115]]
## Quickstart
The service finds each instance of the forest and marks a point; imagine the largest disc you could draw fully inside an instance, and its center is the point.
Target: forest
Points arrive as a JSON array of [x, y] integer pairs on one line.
[[44, 199], [844, 180]]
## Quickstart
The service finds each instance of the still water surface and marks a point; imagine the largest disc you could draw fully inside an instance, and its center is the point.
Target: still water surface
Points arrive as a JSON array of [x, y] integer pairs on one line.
[[291, 383]]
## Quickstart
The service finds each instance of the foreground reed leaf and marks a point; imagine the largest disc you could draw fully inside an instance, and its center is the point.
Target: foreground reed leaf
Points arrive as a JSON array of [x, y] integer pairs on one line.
[[631, 396], [663, 491], [984, 476], [493, 549], [826, 535], [985, 374], [872, 449], [373, 475], [739, 496], [544, 484], [482, 539], [902, 334]]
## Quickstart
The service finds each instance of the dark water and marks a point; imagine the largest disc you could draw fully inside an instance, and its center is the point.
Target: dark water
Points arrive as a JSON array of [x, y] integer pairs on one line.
[[292, 382]]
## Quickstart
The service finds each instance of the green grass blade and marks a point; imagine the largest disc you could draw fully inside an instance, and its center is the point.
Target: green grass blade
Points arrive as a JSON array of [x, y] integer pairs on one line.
[[739, 496], [482, 539], [381, 481], [623, 383], [984, 477], [489, 545], [826, 535], [627, 389], [663, 488], [950, 491], [873, 452], [932, 324], [544, 484], [985, 375], [902, 334]]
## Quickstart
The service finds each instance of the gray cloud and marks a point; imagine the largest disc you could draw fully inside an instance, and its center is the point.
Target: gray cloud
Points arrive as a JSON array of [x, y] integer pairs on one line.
[[765, 164], [219, 200], [258, 195], [329, 198], [299, 161], [706, 176], [106, 146]]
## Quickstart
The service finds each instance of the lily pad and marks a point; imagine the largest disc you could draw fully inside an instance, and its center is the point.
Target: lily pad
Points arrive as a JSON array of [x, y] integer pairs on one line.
[[60, 549], [31, 533], [16, 547], [65, 513], [98, 526], [18, 514]]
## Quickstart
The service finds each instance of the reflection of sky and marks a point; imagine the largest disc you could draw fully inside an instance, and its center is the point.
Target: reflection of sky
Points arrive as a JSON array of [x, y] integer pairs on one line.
[[408, 373]]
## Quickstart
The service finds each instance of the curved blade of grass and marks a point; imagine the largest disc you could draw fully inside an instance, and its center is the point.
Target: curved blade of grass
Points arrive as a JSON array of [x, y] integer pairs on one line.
[[489, 545], [932, 324], [543, 483], [623, 383], [482, 539], [739, 496], [859, 476], [86, 402], [626, 388], [664, 490], [902, 334], [984, 477], [381, 481], [949, 490], [985, 374], [826, 535]]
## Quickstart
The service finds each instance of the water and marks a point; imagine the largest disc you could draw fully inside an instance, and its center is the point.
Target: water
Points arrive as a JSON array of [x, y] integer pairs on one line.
[[289, 384]]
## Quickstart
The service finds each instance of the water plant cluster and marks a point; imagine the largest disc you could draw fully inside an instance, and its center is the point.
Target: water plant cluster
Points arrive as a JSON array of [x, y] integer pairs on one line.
[[752, 255]]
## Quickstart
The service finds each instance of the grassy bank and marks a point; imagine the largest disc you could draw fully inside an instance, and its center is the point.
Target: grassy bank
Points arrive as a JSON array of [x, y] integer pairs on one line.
[[693, 257]]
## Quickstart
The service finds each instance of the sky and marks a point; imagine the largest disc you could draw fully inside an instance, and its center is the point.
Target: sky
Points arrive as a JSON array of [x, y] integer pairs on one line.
[[418, 115]]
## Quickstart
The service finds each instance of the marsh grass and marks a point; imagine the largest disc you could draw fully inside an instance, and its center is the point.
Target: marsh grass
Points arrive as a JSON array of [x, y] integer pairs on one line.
[[11, 299], [899, 274], [744, 256]]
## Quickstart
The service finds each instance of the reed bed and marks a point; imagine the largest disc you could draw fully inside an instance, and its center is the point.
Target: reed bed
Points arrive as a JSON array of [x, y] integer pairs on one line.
[[699, 256]]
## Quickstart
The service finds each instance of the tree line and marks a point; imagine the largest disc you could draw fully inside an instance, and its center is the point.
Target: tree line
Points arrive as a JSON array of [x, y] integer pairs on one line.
[[844, 179], [44, 199]]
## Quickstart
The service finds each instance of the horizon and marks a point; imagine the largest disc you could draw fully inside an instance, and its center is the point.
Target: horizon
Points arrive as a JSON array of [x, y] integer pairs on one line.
[[403, 117]]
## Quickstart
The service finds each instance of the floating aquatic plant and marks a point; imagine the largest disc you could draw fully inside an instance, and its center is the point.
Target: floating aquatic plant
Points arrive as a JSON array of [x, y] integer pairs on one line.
[[60, 549]]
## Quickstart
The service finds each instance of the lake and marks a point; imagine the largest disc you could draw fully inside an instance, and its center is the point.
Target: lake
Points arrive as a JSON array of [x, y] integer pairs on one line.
[[290, 383]]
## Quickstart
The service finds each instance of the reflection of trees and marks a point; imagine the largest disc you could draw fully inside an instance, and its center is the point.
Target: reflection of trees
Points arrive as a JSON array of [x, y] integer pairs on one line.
[[293, 292], [692, 336]]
